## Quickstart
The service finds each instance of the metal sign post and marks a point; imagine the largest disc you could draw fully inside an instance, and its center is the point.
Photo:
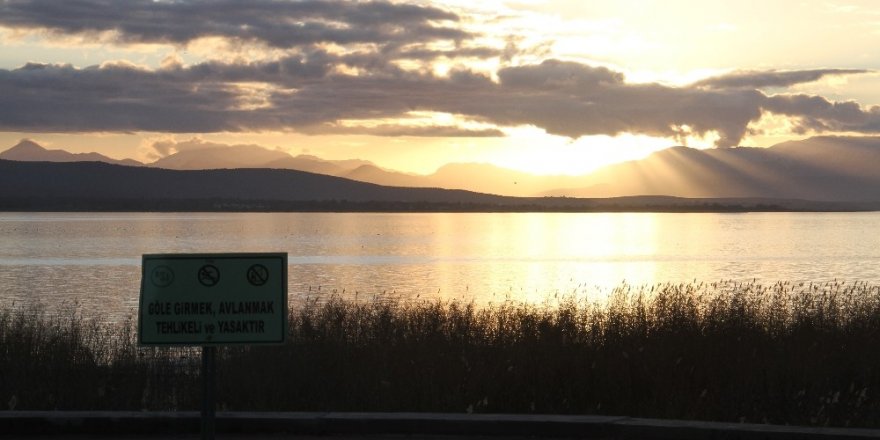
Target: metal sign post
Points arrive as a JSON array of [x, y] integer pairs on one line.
[[210, 300], [209, 386]]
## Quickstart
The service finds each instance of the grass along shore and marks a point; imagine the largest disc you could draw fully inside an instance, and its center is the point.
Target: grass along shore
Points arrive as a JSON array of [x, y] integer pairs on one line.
[[801, 354]]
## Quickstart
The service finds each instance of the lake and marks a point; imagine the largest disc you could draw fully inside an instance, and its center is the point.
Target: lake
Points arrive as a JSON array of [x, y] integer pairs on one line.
[[91, 261]]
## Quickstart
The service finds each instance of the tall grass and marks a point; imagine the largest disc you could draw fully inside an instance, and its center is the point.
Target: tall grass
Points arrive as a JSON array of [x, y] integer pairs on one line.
[[806, 354]]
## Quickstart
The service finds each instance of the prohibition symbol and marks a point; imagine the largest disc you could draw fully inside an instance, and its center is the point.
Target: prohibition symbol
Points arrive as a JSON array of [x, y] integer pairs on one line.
[[162, 276], [257, 275], [209, 275]]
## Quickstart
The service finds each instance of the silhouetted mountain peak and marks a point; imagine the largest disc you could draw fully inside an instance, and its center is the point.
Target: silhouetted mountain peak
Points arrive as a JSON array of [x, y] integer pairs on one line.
[[28, 150], [26, 146]]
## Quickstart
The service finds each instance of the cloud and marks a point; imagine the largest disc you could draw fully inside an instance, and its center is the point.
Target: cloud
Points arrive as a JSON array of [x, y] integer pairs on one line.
[[40, 97], [167, 147], [311, 88], [392, 130], [313, 91], [815, 113], [558, 75], [307, 93], [574, 100], [273, 23], [773, 78]]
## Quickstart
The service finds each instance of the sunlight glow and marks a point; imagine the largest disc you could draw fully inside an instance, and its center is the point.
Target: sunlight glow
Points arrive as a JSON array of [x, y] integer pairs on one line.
[[769, 130], [537, 152], [423, 119]]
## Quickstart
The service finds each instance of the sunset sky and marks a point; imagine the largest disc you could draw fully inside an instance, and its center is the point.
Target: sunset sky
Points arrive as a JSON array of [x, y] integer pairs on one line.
[[541, 86]]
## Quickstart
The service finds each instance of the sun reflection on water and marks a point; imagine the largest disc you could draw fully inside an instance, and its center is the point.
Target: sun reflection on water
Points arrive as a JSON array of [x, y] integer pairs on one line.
[[93, 259]]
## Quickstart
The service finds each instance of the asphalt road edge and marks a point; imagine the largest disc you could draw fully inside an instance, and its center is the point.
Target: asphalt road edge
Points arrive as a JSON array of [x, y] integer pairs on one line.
[[109, 423]]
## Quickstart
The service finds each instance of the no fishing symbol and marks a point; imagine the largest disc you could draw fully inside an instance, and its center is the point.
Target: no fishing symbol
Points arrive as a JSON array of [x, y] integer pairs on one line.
[[257, 275], [209, 275]]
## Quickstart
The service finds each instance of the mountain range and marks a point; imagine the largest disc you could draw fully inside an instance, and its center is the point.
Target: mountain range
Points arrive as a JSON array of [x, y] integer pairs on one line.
[[30, 151], [98, 186], [819, 168], [826, 168]]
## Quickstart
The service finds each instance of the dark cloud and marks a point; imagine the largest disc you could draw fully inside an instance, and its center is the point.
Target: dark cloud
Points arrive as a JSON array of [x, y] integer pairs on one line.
[[432, 54], [112, 98], [815, 113], [573, 100], [375, 34], [305, 93], [274, 23], [760, 80], [392, 130], [558, 75]]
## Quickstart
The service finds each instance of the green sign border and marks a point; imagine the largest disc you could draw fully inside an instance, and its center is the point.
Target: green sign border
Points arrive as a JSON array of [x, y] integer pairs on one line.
[[215, 256]]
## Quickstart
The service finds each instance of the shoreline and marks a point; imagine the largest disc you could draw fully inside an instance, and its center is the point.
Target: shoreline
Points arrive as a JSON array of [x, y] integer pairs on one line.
[[407, 207]]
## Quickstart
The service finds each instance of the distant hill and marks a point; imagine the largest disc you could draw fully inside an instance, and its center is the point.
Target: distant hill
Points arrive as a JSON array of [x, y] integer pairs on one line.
[[373, 174], [209, 158], [28, 150], [483, 178], [86, 181], [824, 168], [251, 156], [496, 180], [821, 168], [314, 164], [95, 186]]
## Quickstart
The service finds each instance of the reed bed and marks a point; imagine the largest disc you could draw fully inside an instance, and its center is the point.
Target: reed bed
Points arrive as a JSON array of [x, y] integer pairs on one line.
[[804, 354]]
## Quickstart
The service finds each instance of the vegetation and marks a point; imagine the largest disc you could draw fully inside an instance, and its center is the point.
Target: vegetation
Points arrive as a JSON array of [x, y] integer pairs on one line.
[[805, 354]]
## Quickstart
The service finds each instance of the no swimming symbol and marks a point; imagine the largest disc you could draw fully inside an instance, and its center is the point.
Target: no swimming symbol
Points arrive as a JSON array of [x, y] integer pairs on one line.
[[257, 275], [209, 275]]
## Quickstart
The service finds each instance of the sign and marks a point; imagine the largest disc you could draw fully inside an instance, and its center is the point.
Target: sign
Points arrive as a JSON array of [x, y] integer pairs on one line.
[[213, 299]]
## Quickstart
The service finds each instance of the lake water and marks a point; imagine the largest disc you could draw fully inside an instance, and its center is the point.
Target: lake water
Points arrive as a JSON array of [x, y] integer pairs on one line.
[[92, 260]]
